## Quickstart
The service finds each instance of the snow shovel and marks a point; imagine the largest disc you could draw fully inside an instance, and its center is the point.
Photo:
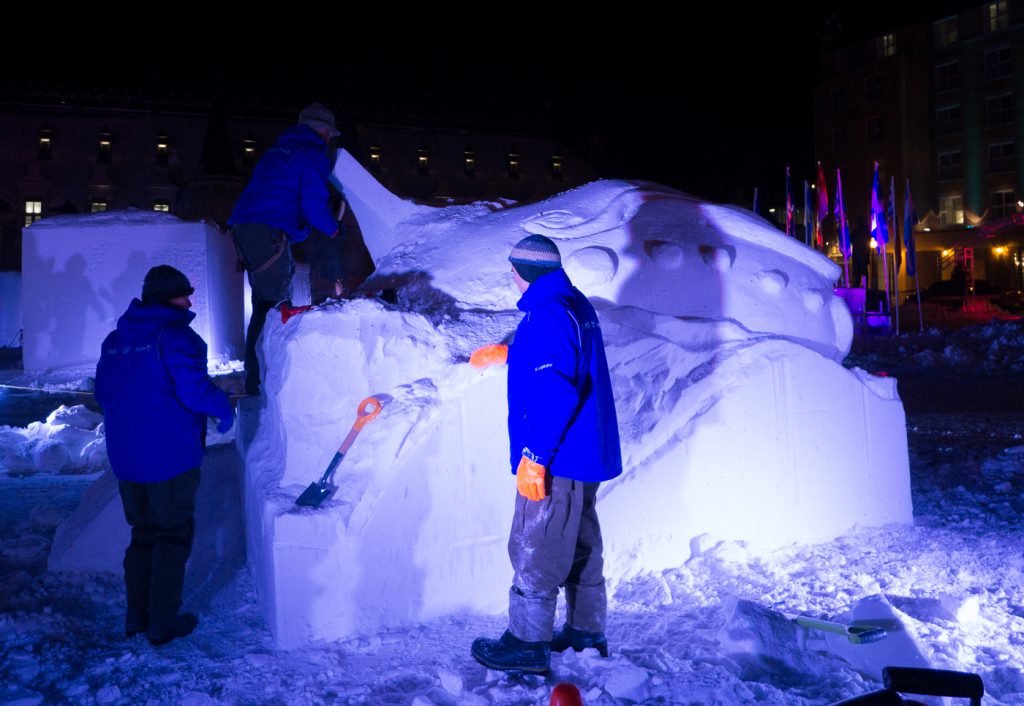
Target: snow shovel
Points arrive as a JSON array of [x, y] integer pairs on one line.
[[317, 493], [857, 634]]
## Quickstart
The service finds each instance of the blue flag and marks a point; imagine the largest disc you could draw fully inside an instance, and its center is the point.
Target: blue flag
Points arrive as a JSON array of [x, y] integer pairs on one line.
[[909, 221], [879, 231], [842, 225]]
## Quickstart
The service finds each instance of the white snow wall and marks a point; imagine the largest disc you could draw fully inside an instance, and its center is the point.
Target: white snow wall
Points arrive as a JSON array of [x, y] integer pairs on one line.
[[79, 273]]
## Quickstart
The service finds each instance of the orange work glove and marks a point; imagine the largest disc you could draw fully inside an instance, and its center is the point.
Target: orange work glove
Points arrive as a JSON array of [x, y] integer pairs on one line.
[[530, 479], [493, 354]]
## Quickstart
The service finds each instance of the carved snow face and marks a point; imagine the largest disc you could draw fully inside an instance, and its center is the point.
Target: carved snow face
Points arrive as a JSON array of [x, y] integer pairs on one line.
[[622, 243]]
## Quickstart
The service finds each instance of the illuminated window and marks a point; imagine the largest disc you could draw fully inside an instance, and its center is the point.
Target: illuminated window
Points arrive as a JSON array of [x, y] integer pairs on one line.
[[997, 16], [423, 161], [839, 139], [876, 130], [874, 88], [163, 148], [945, 32], [33, 211], [376, 156], [1001, 203], [838, 100], [557, 166], [951, 210], [162, 205], [248, 152], [997, 63], [951, 165], [1000, 157], [947, 76], [948, 120], [513, 163], [45, 143], [999, 110], [98, 205], [105, 145], [885, 45], [469, 162]]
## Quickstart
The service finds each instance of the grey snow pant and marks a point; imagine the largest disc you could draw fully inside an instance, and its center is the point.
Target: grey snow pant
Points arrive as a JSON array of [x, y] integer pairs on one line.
[[270, 271], [556, 542]]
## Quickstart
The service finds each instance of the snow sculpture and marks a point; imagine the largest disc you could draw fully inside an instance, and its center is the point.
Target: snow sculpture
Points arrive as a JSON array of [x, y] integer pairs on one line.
[[724, 340]]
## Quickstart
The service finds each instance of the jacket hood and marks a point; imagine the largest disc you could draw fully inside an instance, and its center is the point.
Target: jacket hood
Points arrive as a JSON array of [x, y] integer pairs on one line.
[[143, 318]]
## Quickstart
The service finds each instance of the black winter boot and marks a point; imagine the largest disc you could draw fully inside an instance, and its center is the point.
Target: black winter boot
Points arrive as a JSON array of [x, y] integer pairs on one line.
[[510, 654], [164, 629], [569, 636]]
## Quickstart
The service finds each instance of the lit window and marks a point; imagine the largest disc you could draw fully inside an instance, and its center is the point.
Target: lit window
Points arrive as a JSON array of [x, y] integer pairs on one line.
[[945, 32], [947, 76], [876, 130], [249, 152], [997, 63], [874, 88], [557, 166], [513, 163], [375, 157], [162, 205], [423, 161], [163, 148], [951, 165], [951, 210], [33, 211], [1000, 157], [45, 143], [105, 145], [999, 109], [98, 205], [997, 16], [1001, 204], [839, 139], [885, 45], [948, 120]]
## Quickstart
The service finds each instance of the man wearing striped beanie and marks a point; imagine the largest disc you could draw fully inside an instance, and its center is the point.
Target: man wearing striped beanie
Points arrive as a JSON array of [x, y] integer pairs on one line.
[[564, 441]]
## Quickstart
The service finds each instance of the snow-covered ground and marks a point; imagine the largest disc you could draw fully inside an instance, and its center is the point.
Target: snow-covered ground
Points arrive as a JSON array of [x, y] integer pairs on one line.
[[708, 632]]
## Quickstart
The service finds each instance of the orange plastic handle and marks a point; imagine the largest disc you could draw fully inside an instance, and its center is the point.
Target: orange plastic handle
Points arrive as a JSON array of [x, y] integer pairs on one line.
[[367, 410]]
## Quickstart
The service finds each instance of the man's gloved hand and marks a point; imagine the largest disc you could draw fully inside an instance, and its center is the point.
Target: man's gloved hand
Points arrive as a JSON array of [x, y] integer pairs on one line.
[[224, 426], [493, 354], [530, 479]]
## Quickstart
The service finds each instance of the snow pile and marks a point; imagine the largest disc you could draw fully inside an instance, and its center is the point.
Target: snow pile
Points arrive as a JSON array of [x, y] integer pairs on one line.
[[69, 441], [79, 274], [740, 431]]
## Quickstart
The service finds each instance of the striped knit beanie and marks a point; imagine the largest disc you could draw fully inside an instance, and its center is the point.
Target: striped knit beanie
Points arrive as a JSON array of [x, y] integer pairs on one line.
[[534, 256]]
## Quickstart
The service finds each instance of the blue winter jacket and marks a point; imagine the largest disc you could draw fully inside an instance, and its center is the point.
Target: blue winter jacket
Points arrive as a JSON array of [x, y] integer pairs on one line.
[[561, 412], [288, 188], [155, 392]]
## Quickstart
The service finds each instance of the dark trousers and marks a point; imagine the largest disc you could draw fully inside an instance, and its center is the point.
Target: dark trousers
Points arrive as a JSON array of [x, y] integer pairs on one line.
[[557, 542], [162, 522], [265, 253]]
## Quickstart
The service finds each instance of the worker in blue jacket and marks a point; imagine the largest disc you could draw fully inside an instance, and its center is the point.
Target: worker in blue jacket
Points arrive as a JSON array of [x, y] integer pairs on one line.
[[286, 197], [564, 441], [153, 385]]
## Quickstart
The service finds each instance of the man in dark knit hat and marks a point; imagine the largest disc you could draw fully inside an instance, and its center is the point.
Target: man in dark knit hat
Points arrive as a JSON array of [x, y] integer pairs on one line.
[[564, 441], [153, 385]]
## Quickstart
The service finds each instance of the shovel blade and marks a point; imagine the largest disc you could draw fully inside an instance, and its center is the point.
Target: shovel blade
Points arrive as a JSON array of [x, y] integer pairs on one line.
[[315, 495]]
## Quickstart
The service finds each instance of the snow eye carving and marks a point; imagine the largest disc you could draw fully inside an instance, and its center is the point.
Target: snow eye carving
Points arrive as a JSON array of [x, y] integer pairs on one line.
[[773, 281], [813, 301], [665, 254], [720, 258], [592, 266]]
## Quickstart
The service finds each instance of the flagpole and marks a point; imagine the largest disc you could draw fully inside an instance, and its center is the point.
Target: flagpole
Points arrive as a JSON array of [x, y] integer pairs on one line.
[[917, 286], [885, 273], [895, 247]]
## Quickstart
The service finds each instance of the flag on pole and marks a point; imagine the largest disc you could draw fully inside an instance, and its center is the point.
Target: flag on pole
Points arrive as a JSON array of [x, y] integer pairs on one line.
[[842, 225], [909, 221], [789, 206], [757, 211], [822, 212], [807, 214], [879, 231], [890, 214]]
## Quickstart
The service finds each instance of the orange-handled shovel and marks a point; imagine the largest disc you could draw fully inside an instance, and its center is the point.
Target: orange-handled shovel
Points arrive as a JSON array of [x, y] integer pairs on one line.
[[317, 493]]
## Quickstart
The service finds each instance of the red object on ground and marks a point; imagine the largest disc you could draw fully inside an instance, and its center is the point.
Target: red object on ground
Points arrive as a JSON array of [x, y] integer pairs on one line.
[[566, 694], [882, 374], [288, 312]]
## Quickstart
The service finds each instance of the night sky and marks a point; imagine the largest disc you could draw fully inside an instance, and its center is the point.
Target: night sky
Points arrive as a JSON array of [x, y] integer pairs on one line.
[[714, 103]]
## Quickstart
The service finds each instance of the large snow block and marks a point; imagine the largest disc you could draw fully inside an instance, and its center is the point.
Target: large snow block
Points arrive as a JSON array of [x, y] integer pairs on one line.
[[79, 273], [93, 538], [10, 309]]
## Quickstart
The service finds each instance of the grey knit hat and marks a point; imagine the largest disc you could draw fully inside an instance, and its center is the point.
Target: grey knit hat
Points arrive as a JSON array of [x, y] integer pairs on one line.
[[534, 256], [318, 118]]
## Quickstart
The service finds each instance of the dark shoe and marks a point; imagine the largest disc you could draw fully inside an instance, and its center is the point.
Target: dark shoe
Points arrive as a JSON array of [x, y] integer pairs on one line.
[[569, 636], [163, 630], [510, 654], [133, 626]]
